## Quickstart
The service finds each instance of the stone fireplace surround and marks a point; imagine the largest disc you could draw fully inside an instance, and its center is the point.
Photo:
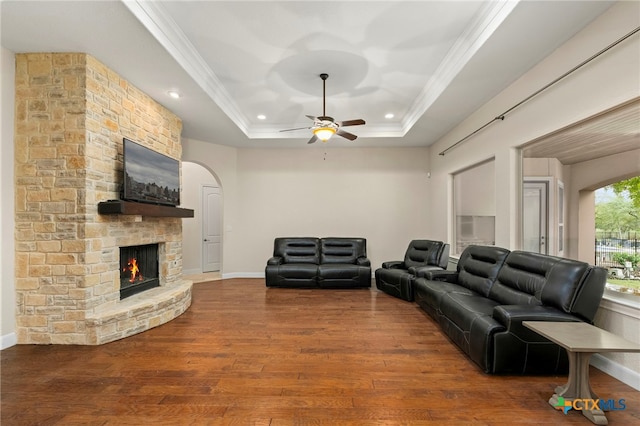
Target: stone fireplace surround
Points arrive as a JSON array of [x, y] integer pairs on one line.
[[71, 115]]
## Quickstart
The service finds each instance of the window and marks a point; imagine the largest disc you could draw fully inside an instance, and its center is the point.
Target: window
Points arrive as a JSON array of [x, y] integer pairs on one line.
[[618, 239], [474, 206]]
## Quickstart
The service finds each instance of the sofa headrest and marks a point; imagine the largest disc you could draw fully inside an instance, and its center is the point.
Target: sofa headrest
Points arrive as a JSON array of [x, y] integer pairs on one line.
[[342, 250], [426, 253], [522, 278], [298, 249], [533, 278], [478, 267]]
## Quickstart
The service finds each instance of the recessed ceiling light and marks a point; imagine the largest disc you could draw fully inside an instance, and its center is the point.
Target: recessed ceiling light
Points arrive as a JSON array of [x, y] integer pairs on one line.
[[389, 115], [261, 117], [174, 94]]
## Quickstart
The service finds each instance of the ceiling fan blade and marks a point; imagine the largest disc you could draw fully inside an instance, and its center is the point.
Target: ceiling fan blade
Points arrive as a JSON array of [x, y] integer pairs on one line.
[[297, 128], [346, 135], [313, 139], [357, 122], [311, 117]]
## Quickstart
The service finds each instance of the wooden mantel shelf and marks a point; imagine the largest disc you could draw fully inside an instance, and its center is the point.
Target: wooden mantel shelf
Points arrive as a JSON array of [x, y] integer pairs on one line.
[[142, 209]]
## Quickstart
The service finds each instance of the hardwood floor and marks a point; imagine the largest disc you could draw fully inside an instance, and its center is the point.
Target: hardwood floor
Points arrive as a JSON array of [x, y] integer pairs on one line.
[[245, 354]]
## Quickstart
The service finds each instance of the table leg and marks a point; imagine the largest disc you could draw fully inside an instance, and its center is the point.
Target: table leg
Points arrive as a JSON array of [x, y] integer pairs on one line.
[[578, 387]]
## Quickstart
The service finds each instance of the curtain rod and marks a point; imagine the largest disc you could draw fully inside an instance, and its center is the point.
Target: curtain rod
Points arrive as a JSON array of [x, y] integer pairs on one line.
[[583, 63]]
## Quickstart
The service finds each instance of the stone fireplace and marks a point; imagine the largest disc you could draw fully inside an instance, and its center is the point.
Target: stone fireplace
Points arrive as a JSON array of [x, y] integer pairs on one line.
[[72, 113]]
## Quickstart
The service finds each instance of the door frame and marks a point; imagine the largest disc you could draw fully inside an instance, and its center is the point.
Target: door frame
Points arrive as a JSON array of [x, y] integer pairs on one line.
[[549, 247]]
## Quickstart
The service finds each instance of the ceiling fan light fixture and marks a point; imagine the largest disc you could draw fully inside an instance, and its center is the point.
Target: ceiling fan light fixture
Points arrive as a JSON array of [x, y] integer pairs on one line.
[[324, 127], [324, 133]]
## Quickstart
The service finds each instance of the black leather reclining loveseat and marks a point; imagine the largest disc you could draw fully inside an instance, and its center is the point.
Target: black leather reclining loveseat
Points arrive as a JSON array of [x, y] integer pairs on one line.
[[481, 305], [319, 263]]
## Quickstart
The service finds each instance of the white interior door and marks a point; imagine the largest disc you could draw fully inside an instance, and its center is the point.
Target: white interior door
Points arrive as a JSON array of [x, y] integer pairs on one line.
[[211, 228], [534, 216]]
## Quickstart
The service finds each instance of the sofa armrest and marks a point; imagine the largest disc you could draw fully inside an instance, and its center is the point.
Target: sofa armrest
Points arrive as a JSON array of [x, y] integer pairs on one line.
[[363, 261], [511, 316], [421, 271], [393, 264], [276, 260], [440, 275]]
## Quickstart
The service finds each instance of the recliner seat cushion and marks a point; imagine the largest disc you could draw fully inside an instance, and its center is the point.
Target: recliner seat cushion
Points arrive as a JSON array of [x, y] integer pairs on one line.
[[429, 293], [341, 275], [298, 270], [292, 275], [463, 309]]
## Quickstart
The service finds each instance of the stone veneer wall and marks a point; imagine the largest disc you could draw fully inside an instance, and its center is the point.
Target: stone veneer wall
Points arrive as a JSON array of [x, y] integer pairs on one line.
[[71, 115]]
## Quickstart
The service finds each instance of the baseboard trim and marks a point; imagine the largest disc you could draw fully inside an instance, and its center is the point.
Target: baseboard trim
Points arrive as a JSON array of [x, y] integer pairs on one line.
[[256, 275], [243, 275], [8, 340], [615, 370]]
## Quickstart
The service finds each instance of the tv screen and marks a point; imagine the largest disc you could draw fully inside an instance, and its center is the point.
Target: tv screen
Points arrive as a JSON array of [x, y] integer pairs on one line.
[[149, 176]]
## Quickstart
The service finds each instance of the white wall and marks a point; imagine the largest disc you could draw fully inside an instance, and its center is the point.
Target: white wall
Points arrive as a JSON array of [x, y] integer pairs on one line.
[[222, 162], [7, 223], [608, 81], [379, 194], [194, 177]]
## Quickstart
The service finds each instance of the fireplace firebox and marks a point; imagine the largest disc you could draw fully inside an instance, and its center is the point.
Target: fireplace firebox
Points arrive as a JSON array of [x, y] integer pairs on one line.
[[138, 269]]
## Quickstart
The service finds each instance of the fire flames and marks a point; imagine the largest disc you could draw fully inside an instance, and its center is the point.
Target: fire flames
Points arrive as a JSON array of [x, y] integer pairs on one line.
[[132, 266]]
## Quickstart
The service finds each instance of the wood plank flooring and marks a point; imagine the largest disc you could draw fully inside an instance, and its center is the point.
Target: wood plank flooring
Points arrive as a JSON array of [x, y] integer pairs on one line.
[[247, 355]]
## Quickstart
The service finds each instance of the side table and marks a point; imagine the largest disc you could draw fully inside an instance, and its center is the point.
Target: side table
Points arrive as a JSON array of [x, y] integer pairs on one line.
[[581, 340]]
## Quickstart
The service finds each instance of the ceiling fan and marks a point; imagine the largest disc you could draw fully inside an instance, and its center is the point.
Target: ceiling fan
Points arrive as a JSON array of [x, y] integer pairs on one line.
[[324, 126]]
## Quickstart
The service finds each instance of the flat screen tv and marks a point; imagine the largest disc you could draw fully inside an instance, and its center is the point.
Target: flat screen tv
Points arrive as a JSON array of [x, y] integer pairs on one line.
[[150, 177]]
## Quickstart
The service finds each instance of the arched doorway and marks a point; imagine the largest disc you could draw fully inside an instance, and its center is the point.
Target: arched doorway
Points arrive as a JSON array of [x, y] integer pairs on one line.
[[201, 236]]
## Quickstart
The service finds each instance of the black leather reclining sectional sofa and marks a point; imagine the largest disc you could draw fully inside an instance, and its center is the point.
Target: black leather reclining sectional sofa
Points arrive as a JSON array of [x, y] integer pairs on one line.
[[481, 305], [310, 262]]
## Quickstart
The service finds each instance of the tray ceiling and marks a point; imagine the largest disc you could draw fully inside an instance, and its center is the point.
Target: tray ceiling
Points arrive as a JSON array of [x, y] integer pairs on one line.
[[429, 63]]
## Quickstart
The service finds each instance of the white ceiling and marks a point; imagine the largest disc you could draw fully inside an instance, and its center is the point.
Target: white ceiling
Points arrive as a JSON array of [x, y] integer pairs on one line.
[[430, 63]]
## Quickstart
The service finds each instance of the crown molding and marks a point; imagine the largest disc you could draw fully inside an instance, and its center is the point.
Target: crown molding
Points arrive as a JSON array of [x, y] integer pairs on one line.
[[164, 29], [490, 17]]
